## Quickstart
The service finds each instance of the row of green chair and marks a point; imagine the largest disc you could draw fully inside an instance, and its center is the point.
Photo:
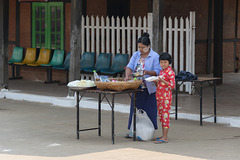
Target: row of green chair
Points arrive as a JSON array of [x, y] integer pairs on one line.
[[87, 61], [103, 63], [43, 60], [119, 62]]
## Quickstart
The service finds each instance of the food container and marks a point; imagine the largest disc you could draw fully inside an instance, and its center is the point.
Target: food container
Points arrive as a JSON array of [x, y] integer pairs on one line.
[[81, 84], [119, 85], [153, 78]]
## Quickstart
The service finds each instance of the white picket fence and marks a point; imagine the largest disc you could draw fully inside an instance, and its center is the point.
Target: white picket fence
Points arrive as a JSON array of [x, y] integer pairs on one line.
[[110, 35], [179, 41]]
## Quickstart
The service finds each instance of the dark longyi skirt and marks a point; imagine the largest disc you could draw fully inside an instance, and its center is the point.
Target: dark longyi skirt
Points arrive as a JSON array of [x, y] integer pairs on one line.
[[146, 102]]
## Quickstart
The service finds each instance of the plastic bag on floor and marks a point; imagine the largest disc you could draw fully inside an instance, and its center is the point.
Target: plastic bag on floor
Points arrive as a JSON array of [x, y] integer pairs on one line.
[[144, 126]]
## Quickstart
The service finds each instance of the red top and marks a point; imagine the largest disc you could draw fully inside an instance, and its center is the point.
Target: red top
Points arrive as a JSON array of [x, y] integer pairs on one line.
[[163, 90]]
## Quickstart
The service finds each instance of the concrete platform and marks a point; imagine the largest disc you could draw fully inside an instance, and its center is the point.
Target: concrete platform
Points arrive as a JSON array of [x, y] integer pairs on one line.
[[39, 131], [46, 131]]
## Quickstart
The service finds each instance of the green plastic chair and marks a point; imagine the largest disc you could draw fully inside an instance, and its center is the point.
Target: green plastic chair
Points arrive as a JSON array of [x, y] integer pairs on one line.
[[119, 62], [103, 62], [17, 55], [64, 66], [57, 59], [87, 60]]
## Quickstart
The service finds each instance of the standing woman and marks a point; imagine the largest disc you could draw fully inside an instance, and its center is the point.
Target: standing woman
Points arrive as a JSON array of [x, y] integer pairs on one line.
[[145, 61]]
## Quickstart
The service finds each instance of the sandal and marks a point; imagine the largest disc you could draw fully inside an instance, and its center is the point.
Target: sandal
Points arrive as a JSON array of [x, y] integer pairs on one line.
[[160, 141], [127, 136], [139, 139], [155, 139]]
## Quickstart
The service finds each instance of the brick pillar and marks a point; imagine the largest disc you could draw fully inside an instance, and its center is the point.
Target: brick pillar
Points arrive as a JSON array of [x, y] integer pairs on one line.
[[4, 5], [157, 43], [76, 40]]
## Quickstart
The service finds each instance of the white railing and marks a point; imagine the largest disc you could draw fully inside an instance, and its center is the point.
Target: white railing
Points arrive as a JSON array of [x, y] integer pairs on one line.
[[115, 35], [179, 41], [109, 35]]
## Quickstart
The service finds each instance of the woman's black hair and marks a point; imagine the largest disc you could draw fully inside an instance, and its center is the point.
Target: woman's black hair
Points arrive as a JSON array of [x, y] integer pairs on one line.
[[144, 39], [166, 56]]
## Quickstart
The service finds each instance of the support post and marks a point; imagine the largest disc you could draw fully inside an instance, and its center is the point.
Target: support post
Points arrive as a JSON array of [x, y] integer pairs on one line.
[[218, 40], [17, 43], [4, 13], [158, 11], [76, 40], [210, 10], [235, 38]]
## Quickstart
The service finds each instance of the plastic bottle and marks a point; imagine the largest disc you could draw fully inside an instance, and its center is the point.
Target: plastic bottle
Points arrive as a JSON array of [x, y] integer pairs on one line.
[[95, 76]]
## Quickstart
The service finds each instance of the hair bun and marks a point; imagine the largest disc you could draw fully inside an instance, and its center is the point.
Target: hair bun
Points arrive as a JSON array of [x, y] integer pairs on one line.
[[145, 34]]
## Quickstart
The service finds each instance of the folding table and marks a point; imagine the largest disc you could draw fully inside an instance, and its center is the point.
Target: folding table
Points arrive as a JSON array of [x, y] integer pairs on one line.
[[101, 96], [200, 81]]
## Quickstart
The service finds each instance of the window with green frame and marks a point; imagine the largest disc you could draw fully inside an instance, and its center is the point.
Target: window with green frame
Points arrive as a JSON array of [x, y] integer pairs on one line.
[[47, 25]]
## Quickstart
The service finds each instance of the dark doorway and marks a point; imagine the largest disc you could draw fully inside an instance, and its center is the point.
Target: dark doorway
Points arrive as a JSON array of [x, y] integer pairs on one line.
[[118, 8]]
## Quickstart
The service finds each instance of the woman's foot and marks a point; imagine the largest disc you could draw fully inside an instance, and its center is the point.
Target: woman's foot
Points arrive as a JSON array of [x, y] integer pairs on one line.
[[130, 135], [127, 136], [161, 140], [157, 138]]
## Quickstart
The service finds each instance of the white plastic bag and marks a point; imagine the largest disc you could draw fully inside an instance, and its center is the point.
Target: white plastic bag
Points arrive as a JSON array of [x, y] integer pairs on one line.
[[144, 126]]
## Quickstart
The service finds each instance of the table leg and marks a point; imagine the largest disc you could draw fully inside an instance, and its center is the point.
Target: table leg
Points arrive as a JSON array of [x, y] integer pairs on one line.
[[49, 76], [113, 96], [134, 116], [18, 71], [176, 100], [77, 115], [201, 104], [99, 114], [13, 71], [215, 108], [67, 73]]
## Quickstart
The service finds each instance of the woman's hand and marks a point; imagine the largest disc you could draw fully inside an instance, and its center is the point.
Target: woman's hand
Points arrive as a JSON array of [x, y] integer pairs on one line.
[[151, 73], [144, 72], [126, 78], [128, 73]]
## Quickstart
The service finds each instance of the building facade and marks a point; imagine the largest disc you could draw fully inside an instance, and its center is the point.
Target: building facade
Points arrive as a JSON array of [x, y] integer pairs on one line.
[[47, 24]]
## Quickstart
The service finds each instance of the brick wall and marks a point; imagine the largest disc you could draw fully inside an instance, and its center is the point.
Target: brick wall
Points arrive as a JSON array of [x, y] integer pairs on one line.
[[138, 8], [12, 20], [228, 57], [175, 8], [229, 33], [67, 27], [96, 7], [25, 25], [238, 57], [25, 38]]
